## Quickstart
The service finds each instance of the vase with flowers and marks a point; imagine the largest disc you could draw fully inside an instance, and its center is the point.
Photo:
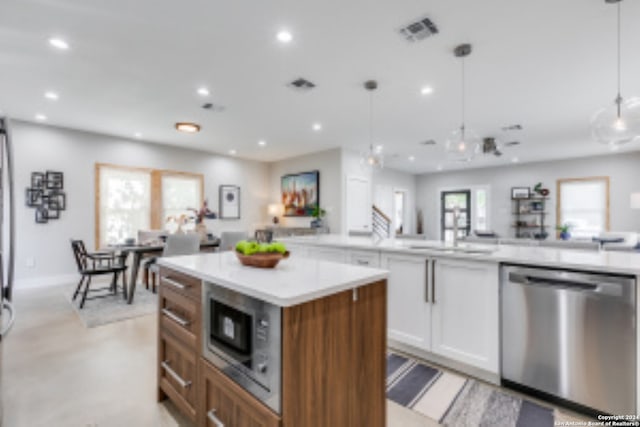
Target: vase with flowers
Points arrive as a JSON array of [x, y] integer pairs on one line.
[[318, 213], [565, 231], [200, 215]]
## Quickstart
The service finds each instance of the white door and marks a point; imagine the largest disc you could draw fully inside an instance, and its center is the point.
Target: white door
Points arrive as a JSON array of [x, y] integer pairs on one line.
[[409, 312], [465, 319], [358, 202]]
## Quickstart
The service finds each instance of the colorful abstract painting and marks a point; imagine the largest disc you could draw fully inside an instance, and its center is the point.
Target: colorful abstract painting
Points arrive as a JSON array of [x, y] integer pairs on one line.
[[300, 193]]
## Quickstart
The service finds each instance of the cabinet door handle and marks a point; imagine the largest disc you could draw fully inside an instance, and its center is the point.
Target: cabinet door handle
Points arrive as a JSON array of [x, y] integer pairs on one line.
[[433, 281], [174, 375], [171, 315], [426, 281], [362, 262], [174, 283], [215, 420]]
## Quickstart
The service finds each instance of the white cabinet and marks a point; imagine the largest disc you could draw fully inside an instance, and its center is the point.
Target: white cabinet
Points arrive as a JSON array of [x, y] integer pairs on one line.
[[465, 312], [409, 313], [322, 253], [297, 251], [364, 258]]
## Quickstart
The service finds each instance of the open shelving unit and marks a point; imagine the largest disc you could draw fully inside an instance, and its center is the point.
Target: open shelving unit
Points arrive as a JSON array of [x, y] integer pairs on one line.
[[529, 217]]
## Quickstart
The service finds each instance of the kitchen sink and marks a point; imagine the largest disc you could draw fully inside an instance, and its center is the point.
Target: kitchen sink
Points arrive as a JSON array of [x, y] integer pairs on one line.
[[471, 250]]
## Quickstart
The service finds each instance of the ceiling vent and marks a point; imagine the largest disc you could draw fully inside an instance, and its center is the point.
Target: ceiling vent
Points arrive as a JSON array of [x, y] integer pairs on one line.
[[511, 143], [213, 107], [512, 127], [301, 84], [419, 30], [428, 142]]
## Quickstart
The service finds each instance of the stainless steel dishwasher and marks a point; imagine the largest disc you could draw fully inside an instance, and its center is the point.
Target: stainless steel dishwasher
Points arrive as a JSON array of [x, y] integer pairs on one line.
[[571, 335]]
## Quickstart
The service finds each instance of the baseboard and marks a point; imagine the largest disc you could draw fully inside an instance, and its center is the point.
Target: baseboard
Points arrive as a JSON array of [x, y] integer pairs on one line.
[[46, 281]]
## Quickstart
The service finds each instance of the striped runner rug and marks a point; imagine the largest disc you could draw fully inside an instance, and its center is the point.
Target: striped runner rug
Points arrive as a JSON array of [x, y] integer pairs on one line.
[[454, 400]]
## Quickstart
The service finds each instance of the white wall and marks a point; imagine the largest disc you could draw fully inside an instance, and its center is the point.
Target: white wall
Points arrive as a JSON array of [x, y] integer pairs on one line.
[[385, 183], [623, 170], [329, 163], [40, 148]]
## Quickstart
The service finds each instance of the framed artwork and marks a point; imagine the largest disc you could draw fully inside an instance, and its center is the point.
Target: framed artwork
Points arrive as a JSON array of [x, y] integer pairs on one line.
[[34, 197], [38, 180], [300, 193], [520, 192], [54, 180], [229, 202], [42, 215]]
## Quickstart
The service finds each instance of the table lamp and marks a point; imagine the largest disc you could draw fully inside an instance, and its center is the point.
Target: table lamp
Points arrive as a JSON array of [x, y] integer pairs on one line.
[[275, 209]]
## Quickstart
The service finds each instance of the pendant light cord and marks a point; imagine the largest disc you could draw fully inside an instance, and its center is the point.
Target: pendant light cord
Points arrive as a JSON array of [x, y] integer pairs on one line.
[[371, 121], [464, 100], [619, 97]]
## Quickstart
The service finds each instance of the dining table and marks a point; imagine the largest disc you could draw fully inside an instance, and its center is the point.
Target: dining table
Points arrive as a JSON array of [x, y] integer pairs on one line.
[[141, 251]]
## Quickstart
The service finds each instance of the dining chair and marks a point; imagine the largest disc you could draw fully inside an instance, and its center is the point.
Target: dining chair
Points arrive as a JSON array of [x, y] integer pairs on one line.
[[92, 264], [229, 239], [176, 245]]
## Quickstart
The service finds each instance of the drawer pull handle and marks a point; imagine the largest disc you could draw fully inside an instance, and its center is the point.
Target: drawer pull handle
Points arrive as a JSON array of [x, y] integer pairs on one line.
[[212, 417], [174, 283], [362, 262], [174, 375], [171, 315]]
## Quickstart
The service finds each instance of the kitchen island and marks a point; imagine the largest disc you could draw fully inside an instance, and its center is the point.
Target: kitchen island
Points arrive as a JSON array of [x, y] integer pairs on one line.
[[303, 344]]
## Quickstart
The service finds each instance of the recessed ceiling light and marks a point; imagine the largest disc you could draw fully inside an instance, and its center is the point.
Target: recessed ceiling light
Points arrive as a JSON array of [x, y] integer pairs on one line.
[[317, 127], [412, 158], [138, 135], [439, 167], [284, 36], [426, 90], [53, 96], [515, 160], [59, 43], [188, 127], [41, 117], [262, 143], [614, 147], [232, 152], [203, 91]]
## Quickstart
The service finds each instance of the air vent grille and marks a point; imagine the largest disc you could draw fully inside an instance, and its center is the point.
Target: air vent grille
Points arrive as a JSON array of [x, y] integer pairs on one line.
[[419, 30], [428, 142], [213, 107], [301, 84]]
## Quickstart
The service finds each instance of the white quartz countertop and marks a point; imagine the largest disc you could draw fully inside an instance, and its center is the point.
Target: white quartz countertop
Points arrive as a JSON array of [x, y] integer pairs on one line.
[[294, 281], [595, 261]]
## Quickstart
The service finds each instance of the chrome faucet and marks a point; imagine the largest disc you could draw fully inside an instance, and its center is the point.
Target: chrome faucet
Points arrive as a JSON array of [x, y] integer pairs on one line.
[[456, 216]]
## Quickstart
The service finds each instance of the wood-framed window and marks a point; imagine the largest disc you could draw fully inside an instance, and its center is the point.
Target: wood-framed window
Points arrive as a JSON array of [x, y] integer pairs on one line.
[[129, 199], [583, 203]]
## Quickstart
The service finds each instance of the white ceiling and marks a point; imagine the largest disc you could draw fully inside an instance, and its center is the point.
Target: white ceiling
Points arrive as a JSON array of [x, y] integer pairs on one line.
[[134, 66]]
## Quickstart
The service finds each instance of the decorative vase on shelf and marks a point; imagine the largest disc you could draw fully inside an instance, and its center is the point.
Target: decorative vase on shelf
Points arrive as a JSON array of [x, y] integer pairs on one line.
[[565, 235]]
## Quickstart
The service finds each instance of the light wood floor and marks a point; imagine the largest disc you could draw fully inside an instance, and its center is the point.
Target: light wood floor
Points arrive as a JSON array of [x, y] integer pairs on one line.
[[56, 373]]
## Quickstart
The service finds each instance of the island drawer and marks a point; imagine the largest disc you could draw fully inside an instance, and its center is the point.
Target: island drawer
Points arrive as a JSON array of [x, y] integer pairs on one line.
[[177, 374], [181, 283], [180, 316], [223, 402]]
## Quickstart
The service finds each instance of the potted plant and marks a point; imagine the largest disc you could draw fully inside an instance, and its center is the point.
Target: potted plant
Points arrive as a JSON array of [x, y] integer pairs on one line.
[[564, 230], [318, 213]]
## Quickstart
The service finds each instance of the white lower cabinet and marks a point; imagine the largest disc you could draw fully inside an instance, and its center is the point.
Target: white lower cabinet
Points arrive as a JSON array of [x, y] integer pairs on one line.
[[465, 324], [364, 258], [298, 251], [327, 254], [409, 313]]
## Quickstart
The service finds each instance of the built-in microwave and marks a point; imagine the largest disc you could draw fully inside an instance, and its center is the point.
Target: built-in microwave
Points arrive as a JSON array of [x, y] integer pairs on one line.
[[242, 336]]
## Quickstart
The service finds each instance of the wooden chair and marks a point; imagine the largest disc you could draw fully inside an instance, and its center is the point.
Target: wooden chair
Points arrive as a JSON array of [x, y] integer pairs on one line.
[[177, 244], [97, 264]]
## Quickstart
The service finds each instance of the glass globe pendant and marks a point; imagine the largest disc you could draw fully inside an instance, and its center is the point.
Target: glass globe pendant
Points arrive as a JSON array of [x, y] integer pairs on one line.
[[463, 144], [373, 158], [619, 123]]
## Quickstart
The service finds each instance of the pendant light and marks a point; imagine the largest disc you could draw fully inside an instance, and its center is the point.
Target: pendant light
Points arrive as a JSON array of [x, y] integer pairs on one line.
[[619, 123], [463, 144], [372, 158]]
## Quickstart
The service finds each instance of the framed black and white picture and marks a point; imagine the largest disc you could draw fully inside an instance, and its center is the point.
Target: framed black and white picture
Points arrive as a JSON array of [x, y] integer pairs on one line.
[[55, 180], [38, 180], [34, 197], [229, 202], [42, 215], [520, 192]]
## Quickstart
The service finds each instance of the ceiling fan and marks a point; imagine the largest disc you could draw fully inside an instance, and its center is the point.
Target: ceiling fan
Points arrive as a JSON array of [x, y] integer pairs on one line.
[[493, 145]]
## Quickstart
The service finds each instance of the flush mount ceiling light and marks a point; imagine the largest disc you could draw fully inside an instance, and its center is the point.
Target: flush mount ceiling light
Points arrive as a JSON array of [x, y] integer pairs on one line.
[[284, 36], [619, 123], [463, 144], [188, 127], [372, 158], [59, 43], [317, 127], [52, 96]]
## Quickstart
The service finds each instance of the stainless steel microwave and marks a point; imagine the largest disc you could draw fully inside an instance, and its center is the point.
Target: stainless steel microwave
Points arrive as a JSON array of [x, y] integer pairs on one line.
[[242, 336]]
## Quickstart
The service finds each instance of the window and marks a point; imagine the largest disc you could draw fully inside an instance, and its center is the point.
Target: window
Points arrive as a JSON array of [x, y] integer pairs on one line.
[[130, 199], [450, 200], [583, 203], [399, 208], [124, 203]]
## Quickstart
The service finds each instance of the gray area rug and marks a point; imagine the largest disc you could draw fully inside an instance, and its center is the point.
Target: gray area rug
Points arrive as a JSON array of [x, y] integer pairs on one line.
[[454, 400], [113, 308]]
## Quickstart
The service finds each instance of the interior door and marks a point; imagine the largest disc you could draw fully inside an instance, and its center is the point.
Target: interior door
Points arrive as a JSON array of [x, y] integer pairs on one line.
[[358, 204], [449, 201]]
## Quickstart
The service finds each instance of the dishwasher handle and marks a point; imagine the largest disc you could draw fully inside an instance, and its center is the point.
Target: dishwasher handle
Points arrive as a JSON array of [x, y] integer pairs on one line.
[[559, 283]]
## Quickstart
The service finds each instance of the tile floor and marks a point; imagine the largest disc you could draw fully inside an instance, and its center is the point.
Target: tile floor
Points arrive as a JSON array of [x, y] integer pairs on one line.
[[57, 373]]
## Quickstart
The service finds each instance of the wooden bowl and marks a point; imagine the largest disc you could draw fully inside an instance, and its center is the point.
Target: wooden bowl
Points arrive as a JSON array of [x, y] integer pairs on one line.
[[261, 260]]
